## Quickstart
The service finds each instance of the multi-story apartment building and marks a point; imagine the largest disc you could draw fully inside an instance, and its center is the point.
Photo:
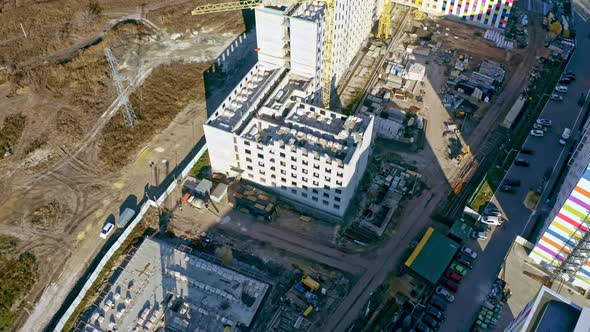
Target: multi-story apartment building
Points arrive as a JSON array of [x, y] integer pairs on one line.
[[564, 246], [485, 13], [292, 36], [267, 132]]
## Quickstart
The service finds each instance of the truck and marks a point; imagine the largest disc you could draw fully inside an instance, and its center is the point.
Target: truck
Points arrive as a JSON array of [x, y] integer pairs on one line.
[[125, 217], [565, 136], [311, 283]]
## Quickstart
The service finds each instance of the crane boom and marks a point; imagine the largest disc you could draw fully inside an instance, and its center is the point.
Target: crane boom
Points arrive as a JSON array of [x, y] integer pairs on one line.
[[384, 30], [328, 43]]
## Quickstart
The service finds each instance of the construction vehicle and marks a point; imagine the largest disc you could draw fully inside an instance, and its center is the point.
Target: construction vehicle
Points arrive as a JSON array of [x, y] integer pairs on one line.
[[328, 41], [311, 283], [419, 15]]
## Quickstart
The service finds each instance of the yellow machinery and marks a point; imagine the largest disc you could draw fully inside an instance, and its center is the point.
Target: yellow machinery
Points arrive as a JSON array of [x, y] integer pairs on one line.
[[328, 43], [419, 15], [384, 30]]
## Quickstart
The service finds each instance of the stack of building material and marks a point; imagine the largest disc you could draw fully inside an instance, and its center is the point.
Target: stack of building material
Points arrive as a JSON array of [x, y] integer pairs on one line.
[[498, 38], [416, 72]]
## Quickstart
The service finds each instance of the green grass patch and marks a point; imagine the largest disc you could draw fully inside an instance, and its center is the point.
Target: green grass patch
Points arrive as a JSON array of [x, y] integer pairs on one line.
[[202, 167], [483, 196], [10, 132]]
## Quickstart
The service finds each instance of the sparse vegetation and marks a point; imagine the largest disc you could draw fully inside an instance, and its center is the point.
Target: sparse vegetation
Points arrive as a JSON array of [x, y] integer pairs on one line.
[[167, 91], [10, 133], [202, 166], [47, 215], [17, 276]]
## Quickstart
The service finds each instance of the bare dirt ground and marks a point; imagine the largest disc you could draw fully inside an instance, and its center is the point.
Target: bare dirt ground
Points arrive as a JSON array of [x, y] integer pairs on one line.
[[57, 189]]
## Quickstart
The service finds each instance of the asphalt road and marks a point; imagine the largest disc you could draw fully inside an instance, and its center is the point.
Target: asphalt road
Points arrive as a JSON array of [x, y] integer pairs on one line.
[[547, 153]]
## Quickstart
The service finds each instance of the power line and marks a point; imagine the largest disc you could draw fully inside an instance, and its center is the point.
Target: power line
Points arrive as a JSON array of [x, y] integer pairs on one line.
[[128, 113]]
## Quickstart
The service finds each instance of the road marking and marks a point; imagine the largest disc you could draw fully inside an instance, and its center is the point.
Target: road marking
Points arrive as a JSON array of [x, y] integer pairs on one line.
[[581, 16]]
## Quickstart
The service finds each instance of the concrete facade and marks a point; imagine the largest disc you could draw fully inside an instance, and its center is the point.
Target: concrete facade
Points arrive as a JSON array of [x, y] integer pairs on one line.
[[484, 13], [282, 142]]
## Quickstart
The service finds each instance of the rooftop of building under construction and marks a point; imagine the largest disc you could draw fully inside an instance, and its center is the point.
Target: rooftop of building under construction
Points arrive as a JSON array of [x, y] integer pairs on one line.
[[162, 286]]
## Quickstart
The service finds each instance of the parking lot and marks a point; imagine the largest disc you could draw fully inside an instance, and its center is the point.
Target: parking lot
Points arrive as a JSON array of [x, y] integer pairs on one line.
[[548, 153]]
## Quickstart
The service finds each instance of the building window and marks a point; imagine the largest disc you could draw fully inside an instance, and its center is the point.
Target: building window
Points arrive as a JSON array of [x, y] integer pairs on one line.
[[328, 179], [247, 143], [282, 155], [293, 159], [294, 191], [272, 176], [249, 160], [262, 180], [272, 168], [259, 147], [250, 175], [304, 179], [261, 172], [283, 172], [315, 183], [248, 151], [304, 195], [316, 175], [272, 160], [326, 195], [338, 191], [304, 171], [329, 171], [283, 180], [305, 162], [336, 206], [249, 167], [326, 202], [316, 166], [315, 191], [283, 187], [337, 199], [261, 164], [316, 157], [283, 163], [261, 156], [338, 183], [315, 199], [293, 167], [326, 187], [274, 184], [339, 174], [294, 176], [304, 187]]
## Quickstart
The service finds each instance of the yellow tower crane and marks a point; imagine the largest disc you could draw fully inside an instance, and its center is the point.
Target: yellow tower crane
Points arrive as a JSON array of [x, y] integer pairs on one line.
[[327, 51], [384, 30]]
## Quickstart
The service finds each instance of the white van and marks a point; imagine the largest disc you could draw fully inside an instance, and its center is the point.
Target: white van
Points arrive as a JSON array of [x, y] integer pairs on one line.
[[491, 220], [565, 136]]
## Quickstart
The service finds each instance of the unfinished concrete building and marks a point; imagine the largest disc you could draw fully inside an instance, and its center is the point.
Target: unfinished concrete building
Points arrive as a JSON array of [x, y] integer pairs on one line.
[[271, 132]]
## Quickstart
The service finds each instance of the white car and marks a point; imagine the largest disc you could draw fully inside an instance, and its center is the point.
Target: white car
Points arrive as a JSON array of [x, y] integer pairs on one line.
[[556, 97], [491, 220], [469, 252], [445, 294], [537, 132], [106, 230], [479, 235], [544, 122], [561, 88]]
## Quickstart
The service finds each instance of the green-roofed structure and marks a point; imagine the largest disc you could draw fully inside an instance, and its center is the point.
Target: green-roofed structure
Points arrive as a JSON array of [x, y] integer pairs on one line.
[[432, 256]]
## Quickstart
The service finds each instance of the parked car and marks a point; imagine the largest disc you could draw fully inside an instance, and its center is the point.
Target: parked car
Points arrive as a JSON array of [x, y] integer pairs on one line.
[[453, 276], [434, 312], [430, 321], [511, 182], [492, 212], [459, 269], [537, 126], [438, 302], [422, 327], [479, 235], [506, 189], [556, 97], [449, 284], [537, 133], [521, 162], [561, 88], [565, 80], [544, 122], [491, 220], [526, 151], [463, 260], [445, 294], [569, 74], [468, 251], [106, 230]]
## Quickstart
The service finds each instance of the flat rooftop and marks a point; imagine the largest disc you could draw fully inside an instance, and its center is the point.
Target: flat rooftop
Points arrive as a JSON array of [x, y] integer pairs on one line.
[[163, 287], [432, 256]]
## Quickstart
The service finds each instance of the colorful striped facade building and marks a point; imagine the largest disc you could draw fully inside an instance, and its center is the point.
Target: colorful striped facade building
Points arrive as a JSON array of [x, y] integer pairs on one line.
[[485, 13], [564, 246]]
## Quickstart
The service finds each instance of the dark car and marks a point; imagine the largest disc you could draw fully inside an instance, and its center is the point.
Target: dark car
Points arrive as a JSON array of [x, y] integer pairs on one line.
[[526, 151], [430, 321], [464, 261], [421, 327], [453, 276], [437, 314], [511, 182], [449, 284], [438, 303], [506, 189], [521, 162], [565, 80]]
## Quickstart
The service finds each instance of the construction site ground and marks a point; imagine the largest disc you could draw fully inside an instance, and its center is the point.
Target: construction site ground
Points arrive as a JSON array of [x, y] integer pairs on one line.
[[59, 187]]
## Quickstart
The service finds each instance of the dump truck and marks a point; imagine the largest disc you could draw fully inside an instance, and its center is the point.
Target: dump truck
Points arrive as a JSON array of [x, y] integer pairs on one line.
[[311, 283]]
